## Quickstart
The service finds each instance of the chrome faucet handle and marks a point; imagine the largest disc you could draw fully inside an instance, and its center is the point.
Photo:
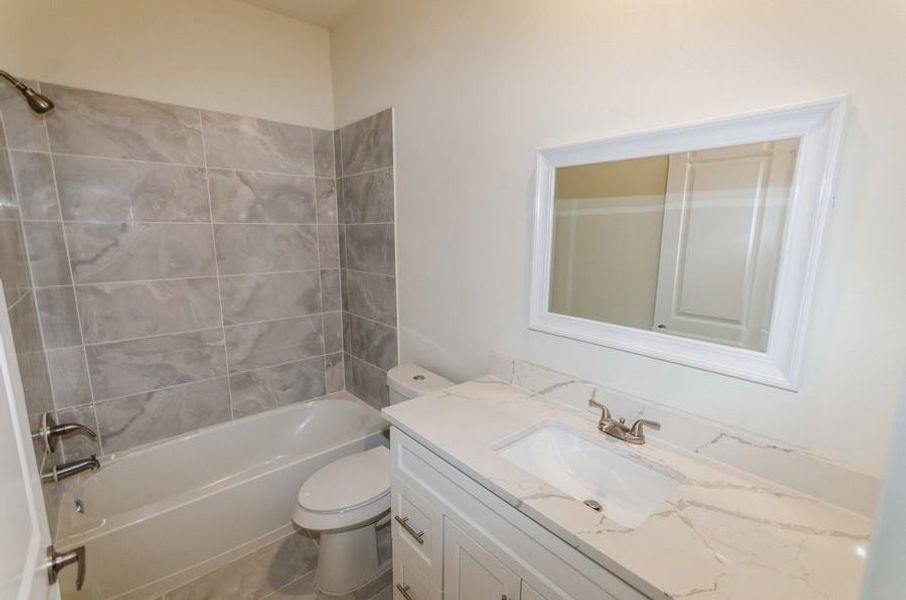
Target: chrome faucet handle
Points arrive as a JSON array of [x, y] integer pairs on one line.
[[638, 430]]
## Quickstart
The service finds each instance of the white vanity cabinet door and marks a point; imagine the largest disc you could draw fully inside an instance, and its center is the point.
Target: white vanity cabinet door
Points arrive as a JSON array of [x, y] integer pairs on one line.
[[411, 583], [417, 529], [473, 573]]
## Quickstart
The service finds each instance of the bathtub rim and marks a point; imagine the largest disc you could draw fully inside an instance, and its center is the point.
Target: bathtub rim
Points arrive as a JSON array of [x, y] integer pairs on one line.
[[67, 538], [188, 435]]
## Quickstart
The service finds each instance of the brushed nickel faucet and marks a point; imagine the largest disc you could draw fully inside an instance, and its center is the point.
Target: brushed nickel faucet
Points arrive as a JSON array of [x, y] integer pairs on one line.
[[67, 470], [618, 428], [50, 430]]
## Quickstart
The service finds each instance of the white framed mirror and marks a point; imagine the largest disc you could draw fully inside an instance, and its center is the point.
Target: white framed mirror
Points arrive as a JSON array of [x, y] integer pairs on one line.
[[696, 244]]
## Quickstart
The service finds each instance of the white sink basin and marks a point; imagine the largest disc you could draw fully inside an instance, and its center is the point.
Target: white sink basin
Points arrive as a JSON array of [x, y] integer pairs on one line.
[[627, 487]]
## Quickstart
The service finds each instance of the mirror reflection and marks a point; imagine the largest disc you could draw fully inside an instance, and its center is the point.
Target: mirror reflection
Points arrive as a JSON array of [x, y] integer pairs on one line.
[[686, 244]]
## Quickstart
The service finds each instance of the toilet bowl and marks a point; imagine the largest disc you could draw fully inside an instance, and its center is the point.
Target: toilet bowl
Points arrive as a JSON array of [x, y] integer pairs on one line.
[[346, 499]]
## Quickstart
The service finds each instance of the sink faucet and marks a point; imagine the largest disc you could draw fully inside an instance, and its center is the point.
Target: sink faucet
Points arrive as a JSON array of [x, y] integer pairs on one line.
[[66, 470], [619, 429]]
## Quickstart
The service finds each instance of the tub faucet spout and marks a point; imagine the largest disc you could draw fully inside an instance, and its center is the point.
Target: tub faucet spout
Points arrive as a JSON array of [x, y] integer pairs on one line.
[[50, 431], [66, 470]]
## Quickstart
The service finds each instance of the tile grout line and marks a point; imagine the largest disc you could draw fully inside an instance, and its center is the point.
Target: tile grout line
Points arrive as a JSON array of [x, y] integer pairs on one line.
[[342, 256], [200, 330], [7, 154], [369, 171], [369, 319], [178, 165], [183, 223], [370, 364], [393, 230], [16, 302], [389, 167], [226, 375], [14, 181], [320, 265], [124, 282], [371, 273], [53, 171], [160, 389], [21, 225], [207, 182]]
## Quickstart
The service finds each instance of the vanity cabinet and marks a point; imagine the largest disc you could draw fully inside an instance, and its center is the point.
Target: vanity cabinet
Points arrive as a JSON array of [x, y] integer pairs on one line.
[[455, 540], [470, 571]]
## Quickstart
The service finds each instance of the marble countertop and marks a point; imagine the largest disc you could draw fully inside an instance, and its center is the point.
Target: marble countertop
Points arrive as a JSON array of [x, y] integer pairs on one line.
[[723, 535]]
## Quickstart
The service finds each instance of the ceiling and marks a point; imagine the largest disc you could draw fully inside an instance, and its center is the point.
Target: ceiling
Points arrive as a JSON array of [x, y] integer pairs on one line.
[[323, 13]]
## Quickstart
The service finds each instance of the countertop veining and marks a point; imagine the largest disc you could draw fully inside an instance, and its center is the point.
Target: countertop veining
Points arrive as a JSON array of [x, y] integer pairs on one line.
[[724, 534]]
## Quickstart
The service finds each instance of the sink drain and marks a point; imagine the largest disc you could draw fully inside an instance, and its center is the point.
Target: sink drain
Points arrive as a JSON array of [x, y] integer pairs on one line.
[[594, 505]]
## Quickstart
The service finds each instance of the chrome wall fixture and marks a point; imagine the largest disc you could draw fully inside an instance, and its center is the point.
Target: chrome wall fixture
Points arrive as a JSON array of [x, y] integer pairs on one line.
[[37, 101]]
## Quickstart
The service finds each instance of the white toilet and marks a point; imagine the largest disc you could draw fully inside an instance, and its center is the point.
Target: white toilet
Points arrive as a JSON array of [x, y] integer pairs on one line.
[[348, 498]]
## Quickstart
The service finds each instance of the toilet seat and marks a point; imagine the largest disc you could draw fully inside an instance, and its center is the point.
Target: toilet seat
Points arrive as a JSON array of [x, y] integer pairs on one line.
[[346, 493]]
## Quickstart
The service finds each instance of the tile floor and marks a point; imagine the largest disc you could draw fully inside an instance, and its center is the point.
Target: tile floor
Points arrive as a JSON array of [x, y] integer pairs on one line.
[[282, 570]]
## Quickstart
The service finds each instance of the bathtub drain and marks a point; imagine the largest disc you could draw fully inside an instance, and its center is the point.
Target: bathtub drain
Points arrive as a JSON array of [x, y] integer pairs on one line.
[[79, 507]]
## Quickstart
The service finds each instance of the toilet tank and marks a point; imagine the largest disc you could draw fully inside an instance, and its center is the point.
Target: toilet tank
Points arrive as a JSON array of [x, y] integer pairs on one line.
[[410, 381]]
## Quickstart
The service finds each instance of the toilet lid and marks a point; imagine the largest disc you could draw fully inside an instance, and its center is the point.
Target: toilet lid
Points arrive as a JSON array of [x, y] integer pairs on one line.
[[348, 483]]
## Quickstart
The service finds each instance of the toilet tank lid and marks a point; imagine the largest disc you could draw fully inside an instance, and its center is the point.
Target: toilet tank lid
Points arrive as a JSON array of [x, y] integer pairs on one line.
[[411, 380]]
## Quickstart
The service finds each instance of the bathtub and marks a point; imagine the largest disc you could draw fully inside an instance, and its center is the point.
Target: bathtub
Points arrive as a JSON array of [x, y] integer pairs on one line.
[[157, 517]]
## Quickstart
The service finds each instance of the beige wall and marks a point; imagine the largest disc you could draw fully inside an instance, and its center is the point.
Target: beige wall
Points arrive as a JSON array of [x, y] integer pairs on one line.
[[477, 86], [607, 240], [215, 54]]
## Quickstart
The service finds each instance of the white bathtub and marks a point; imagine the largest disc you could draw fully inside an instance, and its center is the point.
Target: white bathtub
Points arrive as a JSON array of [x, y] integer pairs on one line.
[[160, 516]]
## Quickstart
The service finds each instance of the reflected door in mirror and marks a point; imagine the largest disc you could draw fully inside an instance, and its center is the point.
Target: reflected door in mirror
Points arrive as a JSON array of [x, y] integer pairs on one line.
[[686, 244]]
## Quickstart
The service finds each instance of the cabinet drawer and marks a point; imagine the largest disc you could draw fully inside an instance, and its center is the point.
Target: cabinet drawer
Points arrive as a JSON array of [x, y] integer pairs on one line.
[[417, 526], [412, 582]]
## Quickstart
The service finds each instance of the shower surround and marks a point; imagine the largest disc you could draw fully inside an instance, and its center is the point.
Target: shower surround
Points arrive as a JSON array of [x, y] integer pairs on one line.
[[185, 265]]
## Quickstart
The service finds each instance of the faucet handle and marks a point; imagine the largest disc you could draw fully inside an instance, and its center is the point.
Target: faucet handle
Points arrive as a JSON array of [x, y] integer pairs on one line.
[[638, 430], [605, 413]]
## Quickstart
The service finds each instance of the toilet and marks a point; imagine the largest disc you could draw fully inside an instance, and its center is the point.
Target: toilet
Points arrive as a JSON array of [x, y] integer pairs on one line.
[[347, 499]]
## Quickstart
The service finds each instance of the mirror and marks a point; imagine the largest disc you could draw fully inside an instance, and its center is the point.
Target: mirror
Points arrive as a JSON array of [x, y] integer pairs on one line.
[[683, 244], [697, 244]]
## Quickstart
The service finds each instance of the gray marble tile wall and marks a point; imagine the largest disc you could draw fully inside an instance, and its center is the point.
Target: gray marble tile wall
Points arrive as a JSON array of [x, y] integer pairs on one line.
[[18, 128], [365, 212], [185, 264]]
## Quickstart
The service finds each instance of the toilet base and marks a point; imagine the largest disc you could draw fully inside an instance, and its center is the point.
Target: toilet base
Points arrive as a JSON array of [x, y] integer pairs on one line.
[[348, 560]]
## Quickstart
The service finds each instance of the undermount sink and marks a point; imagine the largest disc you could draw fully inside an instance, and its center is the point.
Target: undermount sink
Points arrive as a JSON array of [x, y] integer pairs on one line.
[[626, 487]]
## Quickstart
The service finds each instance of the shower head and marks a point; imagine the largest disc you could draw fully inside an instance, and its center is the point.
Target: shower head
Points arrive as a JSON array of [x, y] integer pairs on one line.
[[38, 102]]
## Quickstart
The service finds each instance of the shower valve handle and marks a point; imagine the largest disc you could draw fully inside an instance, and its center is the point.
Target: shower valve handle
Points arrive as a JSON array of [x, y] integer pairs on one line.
[[60, 560]]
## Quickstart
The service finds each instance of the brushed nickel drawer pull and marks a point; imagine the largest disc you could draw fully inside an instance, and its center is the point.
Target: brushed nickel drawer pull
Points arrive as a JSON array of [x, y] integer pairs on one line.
[[404, 590], [404, 522]]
